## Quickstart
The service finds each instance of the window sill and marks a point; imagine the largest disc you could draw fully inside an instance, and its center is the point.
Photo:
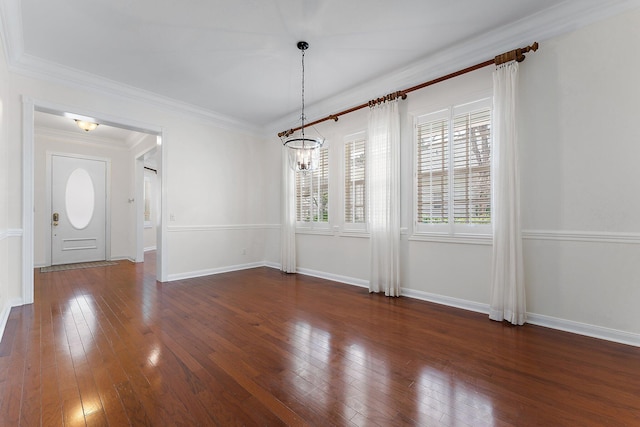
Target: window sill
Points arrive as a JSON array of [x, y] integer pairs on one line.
[[361, 234], [314, 231], [460, 238]]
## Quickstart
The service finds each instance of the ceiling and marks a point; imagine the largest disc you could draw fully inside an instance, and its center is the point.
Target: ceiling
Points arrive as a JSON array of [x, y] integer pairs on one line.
[[65, 128], [238, 61]]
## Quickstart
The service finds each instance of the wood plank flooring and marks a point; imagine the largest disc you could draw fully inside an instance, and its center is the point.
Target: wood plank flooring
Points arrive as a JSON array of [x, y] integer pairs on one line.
[[111, 346]]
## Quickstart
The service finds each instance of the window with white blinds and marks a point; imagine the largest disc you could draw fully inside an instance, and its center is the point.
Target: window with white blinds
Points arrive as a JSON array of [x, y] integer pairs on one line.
[[354, 180], [312, 192], [453, 168]]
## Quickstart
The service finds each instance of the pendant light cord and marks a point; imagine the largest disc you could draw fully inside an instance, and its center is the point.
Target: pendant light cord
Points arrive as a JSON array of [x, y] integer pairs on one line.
[[302, 127]]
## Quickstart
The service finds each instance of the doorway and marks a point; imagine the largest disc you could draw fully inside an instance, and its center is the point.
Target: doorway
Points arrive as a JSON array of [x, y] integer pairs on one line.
[[30, 108]]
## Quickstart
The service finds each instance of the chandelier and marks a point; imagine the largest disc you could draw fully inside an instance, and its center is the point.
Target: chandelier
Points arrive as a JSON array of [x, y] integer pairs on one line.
[[303, 150]]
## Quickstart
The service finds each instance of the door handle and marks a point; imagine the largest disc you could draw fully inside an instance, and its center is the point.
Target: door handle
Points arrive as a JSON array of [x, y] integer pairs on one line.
[[56, 218]]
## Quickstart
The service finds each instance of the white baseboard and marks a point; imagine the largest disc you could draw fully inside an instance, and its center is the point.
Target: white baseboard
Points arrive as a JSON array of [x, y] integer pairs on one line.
[[335, 277], [594, 331], [448, 301], [150, 248], [600, 332], [275, 265], [4, 315], [210, 271], [532, 318], [122, 258]]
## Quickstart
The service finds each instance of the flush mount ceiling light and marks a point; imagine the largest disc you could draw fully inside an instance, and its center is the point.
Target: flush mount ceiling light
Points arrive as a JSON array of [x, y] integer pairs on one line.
[[303, 149], [86, 126]]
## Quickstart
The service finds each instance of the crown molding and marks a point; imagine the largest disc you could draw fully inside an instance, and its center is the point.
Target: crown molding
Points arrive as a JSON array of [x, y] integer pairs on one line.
[[559, 19], [11, 30], [562, 18], [40, 69]]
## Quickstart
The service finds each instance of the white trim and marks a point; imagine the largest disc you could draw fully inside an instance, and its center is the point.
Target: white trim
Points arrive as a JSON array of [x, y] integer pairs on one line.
[[582, 236], [594, 331], [28, 191], [162, 268], [315, 231], [150, 248], [356, 234], [578, 328], [334, 277], [122, 258], [42, 69], [534, 319], [270, 264], [461, 238], [11, 23], [211, 271], [191, 228], [15, 232], [560, 19], [6, 310], [445, 300]]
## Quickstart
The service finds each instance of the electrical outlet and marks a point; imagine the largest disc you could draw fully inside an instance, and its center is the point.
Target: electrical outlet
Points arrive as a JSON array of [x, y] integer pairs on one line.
[[244, 251], [172, 217]]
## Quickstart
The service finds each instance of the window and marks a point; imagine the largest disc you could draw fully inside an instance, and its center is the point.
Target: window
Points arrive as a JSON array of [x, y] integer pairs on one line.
[[453, 169], [312, 192], [354, 181]]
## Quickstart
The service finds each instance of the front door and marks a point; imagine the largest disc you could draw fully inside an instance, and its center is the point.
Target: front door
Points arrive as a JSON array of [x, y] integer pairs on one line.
[[78, 206]]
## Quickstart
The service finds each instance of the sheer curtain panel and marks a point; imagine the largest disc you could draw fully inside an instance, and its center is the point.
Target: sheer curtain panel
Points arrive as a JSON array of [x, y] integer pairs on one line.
[[288, 230], [507, 301], [383, 180]]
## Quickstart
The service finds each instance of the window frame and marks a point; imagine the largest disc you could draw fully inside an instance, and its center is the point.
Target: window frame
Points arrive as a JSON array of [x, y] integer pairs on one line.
[[450, 231], [350, 226], [316, 226]]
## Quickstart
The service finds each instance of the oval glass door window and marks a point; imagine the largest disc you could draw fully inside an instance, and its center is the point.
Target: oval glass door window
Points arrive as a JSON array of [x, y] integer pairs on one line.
[[80, 198]]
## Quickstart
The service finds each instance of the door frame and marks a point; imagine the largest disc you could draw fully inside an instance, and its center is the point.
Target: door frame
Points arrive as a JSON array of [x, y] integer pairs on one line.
[[138, 170], [29, 106], [49, 199]]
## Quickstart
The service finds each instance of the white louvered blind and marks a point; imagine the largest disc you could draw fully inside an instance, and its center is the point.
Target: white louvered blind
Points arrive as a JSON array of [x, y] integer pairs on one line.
[[354, 183], [453, 154], [312, 191], [433, 175], [472, 167]]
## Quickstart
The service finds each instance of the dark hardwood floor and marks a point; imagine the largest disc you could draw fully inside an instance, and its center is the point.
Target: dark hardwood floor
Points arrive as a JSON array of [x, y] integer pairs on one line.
[[111, 346]]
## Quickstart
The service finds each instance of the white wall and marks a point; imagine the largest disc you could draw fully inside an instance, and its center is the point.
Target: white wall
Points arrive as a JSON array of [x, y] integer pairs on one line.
[[579, 148], [225, 200], [581, 142]]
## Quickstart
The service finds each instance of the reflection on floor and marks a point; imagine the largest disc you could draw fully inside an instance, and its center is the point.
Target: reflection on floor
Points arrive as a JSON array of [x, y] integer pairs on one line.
[[111, 346]]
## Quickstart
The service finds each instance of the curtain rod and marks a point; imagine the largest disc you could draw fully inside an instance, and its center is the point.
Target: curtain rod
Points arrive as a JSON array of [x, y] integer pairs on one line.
[[514, 55]]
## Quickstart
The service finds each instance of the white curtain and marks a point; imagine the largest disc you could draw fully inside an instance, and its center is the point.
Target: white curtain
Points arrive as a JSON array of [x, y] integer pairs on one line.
[[383, 179], [507, 277], [288, 229]]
